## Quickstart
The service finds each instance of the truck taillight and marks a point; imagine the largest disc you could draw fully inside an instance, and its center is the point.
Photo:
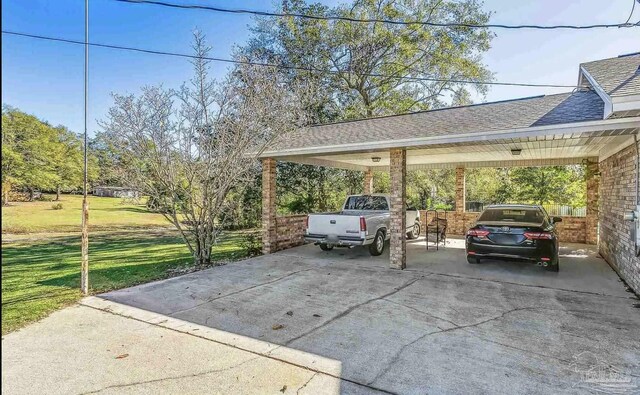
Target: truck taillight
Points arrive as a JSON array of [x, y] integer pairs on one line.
[[306, 223], [363, 225], [538, 235], [477, 233]]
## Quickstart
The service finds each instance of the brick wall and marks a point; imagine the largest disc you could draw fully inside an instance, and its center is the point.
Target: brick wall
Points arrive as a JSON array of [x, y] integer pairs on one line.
[[573, 230], [617, 192], [289, 231], [570, 230]]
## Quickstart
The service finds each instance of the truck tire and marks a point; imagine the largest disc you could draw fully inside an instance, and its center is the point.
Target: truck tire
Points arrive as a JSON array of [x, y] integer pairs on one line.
[[377, 247], [415, 232], [326, 247]]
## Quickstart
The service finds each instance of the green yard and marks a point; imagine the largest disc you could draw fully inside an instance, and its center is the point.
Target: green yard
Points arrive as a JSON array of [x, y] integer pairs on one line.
[[40, 271], [104, 214]]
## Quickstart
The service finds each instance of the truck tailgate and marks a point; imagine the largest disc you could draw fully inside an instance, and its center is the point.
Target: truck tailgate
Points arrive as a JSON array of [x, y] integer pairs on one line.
[[334, 225]]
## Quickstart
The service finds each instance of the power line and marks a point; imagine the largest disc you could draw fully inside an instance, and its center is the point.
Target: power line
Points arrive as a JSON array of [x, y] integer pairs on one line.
[[287, 67], [633, 7], [374, 20]]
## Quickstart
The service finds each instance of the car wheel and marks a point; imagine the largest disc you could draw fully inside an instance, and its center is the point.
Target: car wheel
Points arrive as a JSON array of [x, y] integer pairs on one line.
[[415, 232], [326, 247], [377, 247], [473, 259]]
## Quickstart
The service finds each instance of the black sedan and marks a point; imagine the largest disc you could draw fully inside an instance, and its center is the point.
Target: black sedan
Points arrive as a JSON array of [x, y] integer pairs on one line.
[[514, 232]]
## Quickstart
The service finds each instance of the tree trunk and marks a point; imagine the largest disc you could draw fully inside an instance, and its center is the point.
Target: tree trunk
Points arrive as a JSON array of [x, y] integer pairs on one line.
[[31, 195], [202, 250], [5, 197], [58, 194]]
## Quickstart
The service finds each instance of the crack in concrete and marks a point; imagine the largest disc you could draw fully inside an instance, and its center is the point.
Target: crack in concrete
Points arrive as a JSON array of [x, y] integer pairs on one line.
[[259, 354], [352, 308], [239, 291], [305, 384], [397, 355], [170, 377], [529, 285], [421, 312], [516, 348]]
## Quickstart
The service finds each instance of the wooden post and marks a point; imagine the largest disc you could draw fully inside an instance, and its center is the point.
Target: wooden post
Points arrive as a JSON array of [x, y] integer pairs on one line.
[[84, 266], [84, 278]]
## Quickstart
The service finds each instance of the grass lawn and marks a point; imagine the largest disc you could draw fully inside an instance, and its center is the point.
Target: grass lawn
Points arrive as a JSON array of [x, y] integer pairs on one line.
[[104, 214], [41, 272]]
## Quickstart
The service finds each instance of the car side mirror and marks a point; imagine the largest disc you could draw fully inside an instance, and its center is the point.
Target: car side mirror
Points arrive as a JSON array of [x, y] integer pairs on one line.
[[556, 220]]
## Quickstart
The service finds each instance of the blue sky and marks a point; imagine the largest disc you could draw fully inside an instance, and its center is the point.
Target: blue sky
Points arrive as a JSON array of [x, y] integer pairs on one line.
[[45, 78]]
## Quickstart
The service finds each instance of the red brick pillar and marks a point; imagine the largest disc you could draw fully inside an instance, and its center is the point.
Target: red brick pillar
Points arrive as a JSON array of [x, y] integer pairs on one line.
[[368, 182], [460, 190], [593, 186], [398, 227], [269, 232]]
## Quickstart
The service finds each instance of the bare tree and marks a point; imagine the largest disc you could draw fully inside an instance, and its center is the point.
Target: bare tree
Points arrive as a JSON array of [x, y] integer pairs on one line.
[[189, 148]]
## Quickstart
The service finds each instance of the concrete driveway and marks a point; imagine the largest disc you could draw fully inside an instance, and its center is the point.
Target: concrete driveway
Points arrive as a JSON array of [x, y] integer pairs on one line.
[[341, 321]]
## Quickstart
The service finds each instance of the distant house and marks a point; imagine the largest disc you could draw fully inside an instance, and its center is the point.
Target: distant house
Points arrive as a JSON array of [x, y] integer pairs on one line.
[[117, 192]]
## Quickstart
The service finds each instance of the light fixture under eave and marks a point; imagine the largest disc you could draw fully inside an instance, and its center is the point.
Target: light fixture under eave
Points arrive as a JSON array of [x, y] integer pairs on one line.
[[516, 151], [375, 159]]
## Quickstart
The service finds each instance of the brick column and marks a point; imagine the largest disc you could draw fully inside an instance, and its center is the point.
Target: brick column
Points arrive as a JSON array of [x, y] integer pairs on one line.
[[593, 186], [398, 175], [368, 182], [460, 190], [269, 233]]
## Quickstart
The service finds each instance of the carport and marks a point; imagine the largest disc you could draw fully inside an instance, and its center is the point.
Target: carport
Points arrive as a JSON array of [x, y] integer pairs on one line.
[[596, 124]]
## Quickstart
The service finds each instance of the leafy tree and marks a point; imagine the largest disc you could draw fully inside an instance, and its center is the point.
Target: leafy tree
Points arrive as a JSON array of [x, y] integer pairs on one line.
[[28, 153], [191, 149], [69, 161], [433, 188], [358, 54], [539, 185], [369, 60], [542, 185], [487, 185], [108, 160], [306, 188]]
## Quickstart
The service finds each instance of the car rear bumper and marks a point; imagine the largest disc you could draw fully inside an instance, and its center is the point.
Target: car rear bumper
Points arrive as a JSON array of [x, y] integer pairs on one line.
[[540, 252]]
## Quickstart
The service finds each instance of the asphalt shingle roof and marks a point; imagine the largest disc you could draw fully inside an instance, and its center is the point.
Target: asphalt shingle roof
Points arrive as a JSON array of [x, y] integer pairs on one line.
[[520, 113], [617, 76]]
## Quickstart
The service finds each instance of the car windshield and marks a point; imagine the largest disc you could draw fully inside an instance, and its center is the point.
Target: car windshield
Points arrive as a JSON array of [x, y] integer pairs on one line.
[[366, 203], [531, 215]]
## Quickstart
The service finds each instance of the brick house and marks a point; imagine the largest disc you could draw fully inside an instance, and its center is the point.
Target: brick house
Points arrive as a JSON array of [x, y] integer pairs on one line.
[[596, 124]]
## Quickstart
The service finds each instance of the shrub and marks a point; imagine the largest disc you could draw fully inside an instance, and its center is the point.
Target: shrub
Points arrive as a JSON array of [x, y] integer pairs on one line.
[[57, 206], [252, 243]]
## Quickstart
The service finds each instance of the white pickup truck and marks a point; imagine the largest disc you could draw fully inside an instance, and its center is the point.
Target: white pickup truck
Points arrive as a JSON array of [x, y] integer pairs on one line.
[[364, 220]]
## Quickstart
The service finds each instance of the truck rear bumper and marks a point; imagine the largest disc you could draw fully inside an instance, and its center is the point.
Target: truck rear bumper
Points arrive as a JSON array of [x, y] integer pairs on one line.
[[336, 241]]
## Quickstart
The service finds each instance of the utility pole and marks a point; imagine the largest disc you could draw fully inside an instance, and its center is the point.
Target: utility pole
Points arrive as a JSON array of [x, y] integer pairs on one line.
[[84, 276]]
